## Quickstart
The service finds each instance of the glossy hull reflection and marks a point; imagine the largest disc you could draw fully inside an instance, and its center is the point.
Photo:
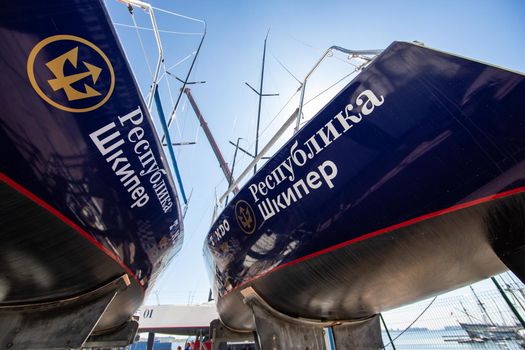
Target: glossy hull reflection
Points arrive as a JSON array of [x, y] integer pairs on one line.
[[407, 184], [86, 193]]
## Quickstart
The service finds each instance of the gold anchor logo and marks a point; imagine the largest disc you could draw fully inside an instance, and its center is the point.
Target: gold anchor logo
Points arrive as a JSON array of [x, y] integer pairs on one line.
[[89, 73], [245, 217], [64, 82]]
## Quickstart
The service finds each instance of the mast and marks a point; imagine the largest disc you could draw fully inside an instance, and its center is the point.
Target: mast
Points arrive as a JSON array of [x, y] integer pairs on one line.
[[185, 82], [233, 163], [216, 150], [260, 103], [162, 118], [261, 95], [509, 303], [465, 311], [482, 307], [296, 114]]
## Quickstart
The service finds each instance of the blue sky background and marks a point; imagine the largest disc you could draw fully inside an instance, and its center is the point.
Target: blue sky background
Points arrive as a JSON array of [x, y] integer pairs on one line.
[[300, 31]]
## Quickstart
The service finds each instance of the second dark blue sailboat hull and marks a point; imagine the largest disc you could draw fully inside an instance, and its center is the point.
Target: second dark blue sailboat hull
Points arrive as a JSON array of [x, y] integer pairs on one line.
[[407, 184]]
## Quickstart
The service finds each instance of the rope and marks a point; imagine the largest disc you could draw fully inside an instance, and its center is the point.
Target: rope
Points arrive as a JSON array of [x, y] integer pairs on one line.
[[411, 324]]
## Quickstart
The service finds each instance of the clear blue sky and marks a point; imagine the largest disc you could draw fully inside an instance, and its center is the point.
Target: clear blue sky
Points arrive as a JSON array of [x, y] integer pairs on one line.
[[490, 31]]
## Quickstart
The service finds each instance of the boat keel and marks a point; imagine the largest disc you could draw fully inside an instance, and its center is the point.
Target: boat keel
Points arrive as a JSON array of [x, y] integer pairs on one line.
[[506, 225], [364, 334], [222, 334], [121, 337], [62, 324], [275, 330]]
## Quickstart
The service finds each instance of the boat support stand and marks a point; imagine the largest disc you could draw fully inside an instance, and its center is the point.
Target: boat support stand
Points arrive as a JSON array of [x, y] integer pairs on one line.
[[64, 324], [220, 334], [275, 330]]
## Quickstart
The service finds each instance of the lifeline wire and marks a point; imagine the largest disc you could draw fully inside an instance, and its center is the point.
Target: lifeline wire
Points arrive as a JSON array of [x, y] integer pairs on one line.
[[160, 31], [179, 15], [331, 86]]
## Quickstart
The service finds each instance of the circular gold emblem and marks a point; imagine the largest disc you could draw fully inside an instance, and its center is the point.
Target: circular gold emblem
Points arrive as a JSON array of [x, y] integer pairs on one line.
[[245, 217], [70, 73]]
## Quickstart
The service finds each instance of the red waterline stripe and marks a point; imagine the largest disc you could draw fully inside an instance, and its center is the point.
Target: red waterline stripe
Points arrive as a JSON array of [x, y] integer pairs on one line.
[[68, 222], [385, 230]]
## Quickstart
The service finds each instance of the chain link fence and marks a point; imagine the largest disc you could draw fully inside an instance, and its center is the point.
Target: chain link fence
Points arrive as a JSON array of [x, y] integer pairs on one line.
[[475, 317]]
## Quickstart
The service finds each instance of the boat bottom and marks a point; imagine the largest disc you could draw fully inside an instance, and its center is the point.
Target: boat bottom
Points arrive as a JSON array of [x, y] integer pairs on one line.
[[45, 261], [392, 269]]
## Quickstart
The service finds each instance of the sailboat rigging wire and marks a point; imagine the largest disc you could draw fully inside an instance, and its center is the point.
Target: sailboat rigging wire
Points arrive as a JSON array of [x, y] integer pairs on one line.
[[261, 154], [315, 48], [172, 101], [470, 317], [168, 85], [181, 130], [278, 113], [513, 279], [511, 290], [411, 324], [290, 99], [352, 64], [297, 113], [181, 61], [331, 86], [327, 53], [295, 93], [328, 88], [181, 16], [160, 31], [170, 147], [167, 70], [127, 55], [234, 124], [170, 121], [141, 43], [149, 9], [284, 67]]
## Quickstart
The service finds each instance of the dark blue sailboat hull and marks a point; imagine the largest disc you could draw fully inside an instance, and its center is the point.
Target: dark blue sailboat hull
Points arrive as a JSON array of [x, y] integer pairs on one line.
[[407, 184], [86, 192]]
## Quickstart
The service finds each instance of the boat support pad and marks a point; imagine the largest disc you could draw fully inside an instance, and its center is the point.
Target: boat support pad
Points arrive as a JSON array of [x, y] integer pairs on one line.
[[58, 324]]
